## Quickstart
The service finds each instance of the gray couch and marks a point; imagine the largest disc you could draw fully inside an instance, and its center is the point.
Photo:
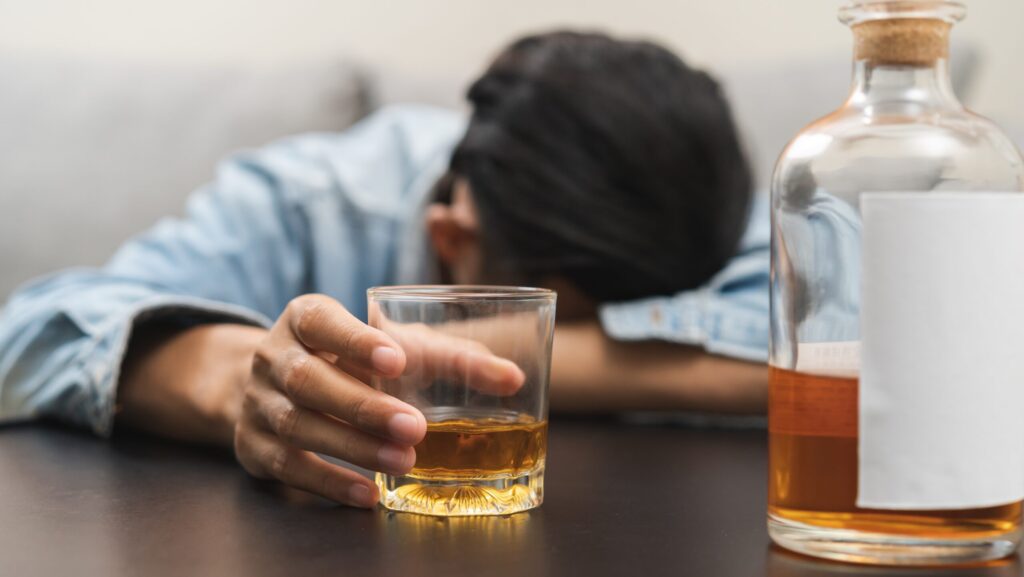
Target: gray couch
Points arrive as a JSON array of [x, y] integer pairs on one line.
[[94, 152]]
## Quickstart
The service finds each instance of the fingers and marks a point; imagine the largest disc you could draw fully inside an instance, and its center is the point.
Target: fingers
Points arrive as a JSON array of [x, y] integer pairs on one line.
[[438, 355], [267, 457], [323, 324], [317, 432], [315, 384], [483, 370]]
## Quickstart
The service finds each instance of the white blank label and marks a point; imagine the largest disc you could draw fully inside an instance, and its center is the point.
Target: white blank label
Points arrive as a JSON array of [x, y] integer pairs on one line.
[[942, 337]]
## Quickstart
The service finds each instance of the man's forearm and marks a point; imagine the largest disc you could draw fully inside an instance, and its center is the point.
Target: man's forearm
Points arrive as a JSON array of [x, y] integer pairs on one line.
[[591, 372], [186, 384]]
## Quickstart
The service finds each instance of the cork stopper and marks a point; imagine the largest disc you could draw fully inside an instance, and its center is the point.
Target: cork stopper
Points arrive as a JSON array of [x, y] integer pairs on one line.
[[902, 41], [901, 32]]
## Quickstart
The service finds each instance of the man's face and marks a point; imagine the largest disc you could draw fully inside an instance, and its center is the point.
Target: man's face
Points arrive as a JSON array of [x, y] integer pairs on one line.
[[455, 233]]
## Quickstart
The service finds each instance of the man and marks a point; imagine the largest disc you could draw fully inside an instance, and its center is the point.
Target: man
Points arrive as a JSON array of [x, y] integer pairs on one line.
[[606, 169]]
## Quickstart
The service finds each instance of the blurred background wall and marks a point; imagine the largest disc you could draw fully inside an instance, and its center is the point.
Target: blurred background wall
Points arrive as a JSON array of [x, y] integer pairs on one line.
[[442, 43]]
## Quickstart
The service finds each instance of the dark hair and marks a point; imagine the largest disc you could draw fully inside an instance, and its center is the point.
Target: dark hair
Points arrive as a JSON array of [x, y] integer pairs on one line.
[[610, 163]]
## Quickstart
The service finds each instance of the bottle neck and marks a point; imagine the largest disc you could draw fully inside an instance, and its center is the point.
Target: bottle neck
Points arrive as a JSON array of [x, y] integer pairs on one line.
[[925, 86], [901, 66]]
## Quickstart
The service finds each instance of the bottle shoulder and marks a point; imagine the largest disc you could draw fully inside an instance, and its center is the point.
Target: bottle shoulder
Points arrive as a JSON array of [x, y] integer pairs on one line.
[[846, 132], [853, 150]]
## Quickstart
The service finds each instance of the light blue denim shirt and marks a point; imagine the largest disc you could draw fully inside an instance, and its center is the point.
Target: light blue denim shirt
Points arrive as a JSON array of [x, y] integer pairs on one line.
[[328, 213]]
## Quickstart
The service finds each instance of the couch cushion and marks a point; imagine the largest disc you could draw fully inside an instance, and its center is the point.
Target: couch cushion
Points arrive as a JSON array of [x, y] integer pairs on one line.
[[92, 152]]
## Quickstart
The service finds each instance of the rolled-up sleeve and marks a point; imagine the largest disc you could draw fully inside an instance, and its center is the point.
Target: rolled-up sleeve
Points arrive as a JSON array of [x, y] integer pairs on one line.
[[317, 212], [63, 337], [727, 316]]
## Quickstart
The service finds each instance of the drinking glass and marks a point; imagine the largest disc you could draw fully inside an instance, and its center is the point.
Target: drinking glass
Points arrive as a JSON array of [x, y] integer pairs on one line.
[[477, 365]]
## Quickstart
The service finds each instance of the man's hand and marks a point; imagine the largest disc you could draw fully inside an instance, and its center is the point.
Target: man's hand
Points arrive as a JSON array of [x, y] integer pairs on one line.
[[301, 388], [308, 393]]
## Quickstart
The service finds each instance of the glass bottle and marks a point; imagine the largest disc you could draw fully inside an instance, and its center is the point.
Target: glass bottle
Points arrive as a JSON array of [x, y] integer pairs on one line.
[[901, 129]]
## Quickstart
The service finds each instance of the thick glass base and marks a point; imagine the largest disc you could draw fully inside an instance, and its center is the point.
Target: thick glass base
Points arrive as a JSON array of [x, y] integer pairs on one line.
[[452, 497], [886, 549]]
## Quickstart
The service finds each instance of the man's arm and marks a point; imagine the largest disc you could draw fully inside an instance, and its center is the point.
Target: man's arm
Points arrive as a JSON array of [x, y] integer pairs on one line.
[[189, 384], [248, 244], [594, 372], [63, 337], [591, 372]]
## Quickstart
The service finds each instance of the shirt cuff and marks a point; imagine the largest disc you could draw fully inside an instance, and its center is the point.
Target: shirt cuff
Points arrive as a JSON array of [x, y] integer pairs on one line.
[[691, 318]]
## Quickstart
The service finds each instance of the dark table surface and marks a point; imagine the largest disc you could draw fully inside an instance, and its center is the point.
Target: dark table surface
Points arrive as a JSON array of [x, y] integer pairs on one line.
[[620, 500]]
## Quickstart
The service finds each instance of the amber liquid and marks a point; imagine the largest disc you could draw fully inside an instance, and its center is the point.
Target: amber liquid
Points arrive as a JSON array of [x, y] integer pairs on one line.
[[481, 449], [813, 467], [475, 466]]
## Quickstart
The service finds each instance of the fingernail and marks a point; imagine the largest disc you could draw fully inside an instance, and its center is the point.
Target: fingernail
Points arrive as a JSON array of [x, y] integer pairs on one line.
[[393, 460], [360, 495], [404, 427], [385, 360]]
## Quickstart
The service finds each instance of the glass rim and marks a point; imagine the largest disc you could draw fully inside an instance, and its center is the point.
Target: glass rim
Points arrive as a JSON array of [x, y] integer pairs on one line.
[[860, 11], [465, 293]]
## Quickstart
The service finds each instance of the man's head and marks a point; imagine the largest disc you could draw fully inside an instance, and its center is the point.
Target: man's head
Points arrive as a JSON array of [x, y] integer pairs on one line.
[[604, 167]]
